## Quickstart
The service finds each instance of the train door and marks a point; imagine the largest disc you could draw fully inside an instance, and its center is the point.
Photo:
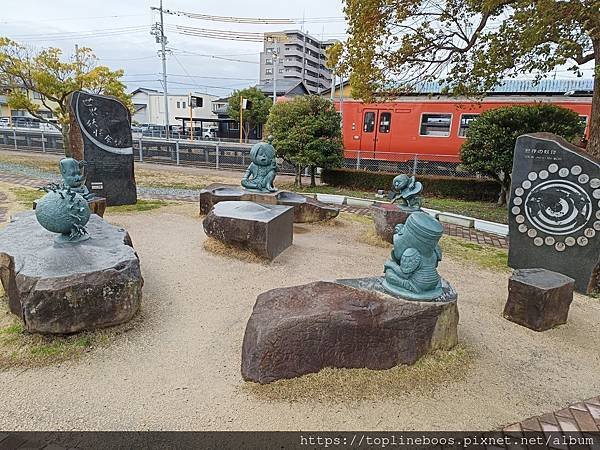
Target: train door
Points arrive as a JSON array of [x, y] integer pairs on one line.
[[369, 133], [384, 138]]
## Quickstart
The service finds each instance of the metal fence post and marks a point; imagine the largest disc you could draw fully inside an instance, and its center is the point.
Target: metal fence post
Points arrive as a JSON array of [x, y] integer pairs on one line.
[[217, 157], [358, 160], [177, 151], [141, 150], [416, 161], [43, 143], [15, 138]]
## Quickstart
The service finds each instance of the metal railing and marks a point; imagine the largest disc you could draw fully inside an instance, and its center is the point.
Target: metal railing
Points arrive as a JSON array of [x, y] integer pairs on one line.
[[235, 156]]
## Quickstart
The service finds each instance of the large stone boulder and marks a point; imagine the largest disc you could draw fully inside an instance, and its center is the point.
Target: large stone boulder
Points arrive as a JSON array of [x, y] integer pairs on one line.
[[538, 299], [306, 209], [266, 230], [65, 288], [302, 329], [385, 217]]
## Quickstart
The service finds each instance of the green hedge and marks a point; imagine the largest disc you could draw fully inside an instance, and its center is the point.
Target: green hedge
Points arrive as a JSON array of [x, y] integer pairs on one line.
[[475, 189]]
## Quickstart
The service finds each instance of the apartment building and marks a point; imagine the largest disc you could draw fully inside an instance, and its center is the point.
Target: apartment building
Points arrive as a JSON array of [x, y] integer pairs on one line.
[[295, 55]]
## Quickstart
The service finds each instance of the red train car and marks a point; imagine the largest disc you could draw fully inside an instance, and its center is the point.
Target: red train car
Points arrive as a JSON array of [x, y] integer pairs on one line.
[[432, 128]]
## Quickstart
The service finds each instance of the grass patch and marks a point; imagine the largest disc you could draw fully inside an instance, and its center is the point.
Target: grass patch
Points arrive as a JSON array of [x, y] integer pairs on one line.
[[26, 196], [34, 162], [325, 189], [480, 210], [229, 251], [347, 385], [484, 256], [370, 237], [141, 205]]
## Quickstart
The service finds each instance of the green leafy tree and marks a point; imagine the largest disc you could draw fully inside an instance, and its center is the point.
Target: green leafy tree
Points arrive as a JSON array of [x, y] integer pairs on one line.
[[25, 72], [306, 133], [470, 45], [257, 114], [492, 136]]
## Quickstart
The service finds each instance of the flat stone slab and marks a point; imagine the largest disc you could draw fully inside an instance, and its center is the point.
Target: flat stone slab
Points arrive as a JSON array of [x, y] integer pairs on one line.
[[306, 209], [264, 229], [538, 299], [65, 288], [386, 216], [302, 329]]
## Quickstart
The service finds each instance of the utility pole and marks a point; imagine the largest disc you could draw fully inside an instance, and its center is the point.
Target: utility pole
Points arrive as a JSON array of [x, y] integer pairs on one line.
[[241, 116], [191, 118], [158, 30], [275, 56]]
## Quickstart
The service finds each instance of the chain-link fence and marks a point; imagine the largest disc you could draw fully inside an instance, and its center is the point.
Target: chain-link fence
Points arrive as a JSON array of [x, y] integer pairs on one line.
[[235, 156]]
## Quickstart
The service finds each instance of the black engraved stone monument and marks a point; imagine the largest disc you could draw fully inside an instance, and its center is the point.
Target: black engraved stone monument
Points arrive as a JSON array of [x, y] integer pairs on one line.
[[554, 209], [101, 135]]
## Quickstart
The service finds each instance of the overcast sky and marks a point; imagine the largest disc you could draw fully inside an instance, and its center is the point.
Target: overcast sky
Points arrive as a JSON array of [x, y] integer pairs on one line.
[[119, 33]]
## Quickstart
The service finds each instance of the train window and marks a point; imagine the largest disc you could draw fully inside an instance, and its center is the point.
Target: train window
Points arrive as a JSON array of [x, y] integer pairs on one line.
[[435, 124], [385, 120], [369, 123], [465, 121]]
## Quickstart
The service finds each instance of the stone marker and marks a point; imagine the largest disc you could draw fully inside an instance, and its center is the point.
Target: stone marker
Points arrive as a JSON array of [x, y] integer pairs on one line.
[[385, 217], [305, 209], [554, 209], [266, 230], [65, 288], [302, 329], [538, 298], [100, 133]]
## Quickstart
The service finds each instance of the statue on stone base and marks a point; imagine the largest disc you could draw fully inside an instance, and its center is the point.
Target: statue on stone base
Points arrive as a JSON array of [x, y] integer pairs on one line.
[[411, 272], [406, 190], [262, 170]]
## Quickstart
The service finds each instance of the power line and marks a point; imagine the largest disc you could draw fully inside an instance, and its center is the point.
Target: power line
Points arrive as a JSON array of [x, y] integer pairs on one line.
[[189, 53], [247, 20]]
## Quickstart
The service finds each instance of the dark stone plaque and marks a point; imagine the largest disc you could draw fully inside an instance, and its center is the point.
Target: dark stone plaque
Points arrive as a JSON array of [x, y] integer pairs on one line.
[[101, 135], [554, 209]]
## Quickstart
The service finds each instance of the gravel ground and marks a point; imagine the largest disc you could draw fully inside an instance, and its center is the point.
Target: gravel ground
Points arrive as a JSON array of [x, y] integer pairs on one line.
[[179, 369]]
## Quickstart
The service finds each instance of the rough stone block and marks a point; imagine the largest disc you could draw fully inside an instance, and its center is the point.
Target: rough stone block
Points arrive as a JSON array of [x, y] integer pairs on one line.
[[302, 329], [538, 298], [386, 216], [306, 209], [65, 288], [266, 230]]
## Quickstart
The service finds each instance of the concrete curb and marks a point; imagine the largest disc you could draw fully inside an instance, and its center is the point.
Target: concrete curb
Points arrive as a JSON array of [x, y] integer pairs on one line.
[[485, 226]]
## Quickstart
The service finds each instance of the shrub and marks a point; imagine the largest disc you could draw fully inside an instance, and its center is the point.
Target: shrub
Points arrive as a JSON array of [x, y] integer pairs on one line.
[[475, 189]]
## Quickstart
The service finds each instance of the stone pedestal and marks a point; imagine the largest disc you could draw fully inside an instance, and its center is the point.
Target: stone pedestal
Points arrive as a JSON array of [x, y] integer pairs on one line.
[[305, 209], [386, 216], [266, 230], [97, 205], [302, 329], [538, 299], [65, 288]]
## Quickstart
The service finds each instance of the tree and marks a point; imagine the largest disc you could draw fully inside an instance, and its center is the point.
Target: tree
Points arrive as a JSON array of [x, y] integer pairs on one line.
[[470, 45], [306, 133], [258, 112], [25, 72], [492, 136]]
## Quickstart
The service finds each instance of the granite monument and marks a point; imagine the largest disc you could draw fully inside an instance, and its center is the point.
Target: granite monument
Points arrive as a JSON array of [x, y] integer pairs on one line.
[[554, 209], [100, 133]]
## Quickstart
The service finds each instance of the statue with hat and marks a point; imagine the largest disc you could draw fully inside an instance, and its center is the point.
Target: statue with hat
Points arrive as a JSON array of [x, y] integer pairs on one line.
[[262, 170], [406, 190], [73, 177], [411, 272]]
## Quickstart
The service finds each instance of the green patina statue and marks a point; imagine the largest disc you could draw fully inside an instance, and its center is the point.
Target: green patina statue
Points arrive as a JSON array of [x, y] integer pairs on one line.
[[411, 272], [262, 170], [71, 171], [406, 190], [64, 209]]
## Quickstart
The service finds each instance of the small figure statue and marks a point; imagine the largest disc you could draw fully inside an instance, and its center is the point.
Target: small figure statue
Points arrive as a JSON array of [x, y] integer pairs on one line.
[[262, 170], [411, 272], [406, 190], [64, 211], [71, 171]]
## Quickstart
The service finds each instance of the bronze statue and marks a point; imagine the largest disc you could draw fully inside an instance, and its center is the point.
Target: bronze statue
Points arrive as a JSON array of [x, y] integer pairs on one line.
[[406, 190], [262, 170], [73, 178]]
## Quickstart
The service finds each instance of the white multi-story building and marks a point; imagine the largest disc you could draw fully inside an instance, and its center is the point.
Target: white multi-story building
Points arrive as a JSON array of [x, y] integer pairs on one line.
[[295, 55], [150, 107]]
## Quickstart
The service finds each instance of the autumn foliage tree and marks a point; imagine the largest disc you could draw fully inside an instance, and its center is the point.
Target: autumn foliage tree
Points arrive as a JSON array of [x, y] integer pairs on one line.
[[470, 45], [24, 71]]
